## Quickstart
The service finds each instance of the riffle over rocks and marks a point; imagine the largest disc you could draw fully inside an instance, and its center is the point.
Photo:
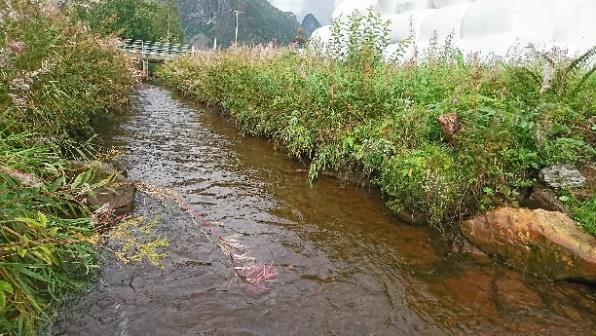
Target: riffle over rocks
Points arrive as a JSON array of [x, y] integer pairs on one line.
[[544, 243]]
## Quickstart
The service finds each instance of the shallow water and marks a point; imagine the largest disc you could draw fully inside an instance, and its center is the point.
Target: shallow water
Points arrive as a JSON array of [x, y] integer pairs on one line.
[[346, 267]]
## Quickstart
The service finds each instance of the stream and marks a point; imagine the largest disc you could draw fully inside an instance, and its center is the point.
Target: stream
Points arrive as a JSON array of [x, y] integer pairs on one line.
[[346, 266]]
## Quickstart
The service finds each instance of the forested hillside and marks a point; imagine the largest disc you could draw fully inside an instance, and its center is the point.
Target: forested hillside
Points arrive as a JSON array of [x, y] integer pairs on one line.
[[259, 22]]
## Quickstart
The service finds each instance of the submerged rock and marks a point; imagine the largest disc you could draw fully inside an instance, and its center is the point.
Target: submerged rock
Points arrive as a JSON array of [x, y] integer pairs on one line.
[[544, 243], [119, 197], [513, 294], [562, 176]]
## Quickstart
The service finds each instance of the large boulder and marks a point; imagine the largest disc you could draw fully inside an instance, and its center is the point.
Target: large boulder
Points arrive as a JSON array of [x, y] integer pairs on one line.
[[544, 243]]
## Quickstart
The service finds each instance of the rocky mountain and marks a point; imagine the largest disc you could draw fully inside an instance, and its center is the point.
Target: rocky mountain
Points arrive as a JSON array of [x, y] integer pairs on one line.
[[310, 24], [259, 22]]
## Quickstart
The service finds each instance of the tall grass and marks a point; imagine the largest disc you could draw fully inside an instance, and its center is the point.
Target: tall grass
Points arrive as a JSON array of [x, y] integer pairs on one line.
[[46, 234], [351, 111], [57, 78], [57, 81]]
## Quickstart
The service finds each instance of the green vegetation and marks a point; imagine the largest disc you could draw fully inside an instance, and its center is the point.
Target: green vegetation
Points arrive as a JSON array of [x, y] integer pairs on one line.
[[503, 119], [582, 209], [147, 20], [46, 234], [57, 82], [585, 214], [259, 22]]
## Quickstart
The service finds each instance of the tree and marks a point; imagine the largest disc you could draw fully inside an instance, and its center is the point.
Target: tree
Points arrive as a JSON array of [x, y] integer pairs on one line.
[[135, 19]]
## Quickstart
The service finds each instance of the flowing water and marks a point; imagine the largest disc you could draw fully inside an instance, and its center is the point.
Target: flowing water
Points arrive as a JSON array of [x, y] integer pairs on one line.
[[346, 267]]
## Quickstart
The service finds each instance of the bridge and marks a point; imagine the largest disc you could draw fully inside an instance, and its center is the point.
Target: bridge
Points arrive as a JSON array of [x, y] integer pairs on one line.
[[155, 51]]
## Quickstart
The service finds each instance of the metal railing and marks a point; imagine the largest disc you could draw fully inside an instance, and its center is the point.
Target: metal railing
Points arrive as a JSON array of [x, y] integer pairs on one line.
[[155, 50]]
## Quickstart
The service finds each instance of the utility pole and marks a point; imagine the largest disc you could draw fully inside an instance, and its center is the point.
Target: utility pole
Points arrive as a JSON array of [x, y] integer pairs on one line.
[[237, 12], [215, 25]]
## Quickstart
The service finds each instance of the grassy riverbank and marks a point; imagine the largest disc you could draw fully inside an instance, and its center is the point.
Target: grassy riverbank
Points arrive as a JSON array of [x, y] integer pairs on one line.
[[58, 80], [444, 137]]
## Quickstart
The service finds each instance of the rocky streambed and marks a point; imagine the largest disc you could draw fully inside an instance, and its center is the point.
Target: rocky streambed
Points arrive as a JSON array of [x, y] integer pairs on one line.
[[345, 265]]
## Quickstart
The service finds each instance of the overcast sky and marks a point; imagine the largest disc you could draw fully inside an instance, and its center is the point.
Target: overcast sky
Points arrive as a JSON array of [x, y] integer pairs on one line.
[[322, 9]]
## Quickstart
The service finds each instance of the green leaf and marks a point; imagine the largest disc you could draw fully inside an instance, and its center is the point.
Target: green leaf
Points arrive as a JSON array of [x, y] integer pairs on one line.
[[43, 220], [349, 141], [564, 199], [29, 221], [22, 252], [6, 287], [488, 191]]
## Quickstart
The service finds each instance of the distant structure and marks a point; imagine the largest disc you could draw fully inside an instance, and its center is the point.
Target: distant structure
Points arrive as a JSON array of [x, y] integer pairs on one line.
[[484, 26], [310, 24], [145, 52]]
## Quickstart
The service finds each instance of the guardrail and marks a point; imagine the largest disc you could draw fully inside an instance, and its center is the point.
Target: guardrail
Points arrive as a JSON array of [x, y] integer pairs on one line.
[[155, 50]]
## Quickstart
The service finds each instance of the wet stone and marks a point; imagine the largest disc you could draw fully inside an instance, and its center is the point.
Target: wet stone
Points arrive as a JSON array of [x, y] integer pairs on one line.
[[120, 197], [544, 198], [543, 243]]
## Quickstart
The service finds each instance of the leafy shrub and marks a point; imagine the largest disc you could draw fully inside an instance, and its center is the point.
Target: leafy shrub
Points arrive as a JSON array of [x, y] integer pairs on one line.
[[585, 214], [426, 180]]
